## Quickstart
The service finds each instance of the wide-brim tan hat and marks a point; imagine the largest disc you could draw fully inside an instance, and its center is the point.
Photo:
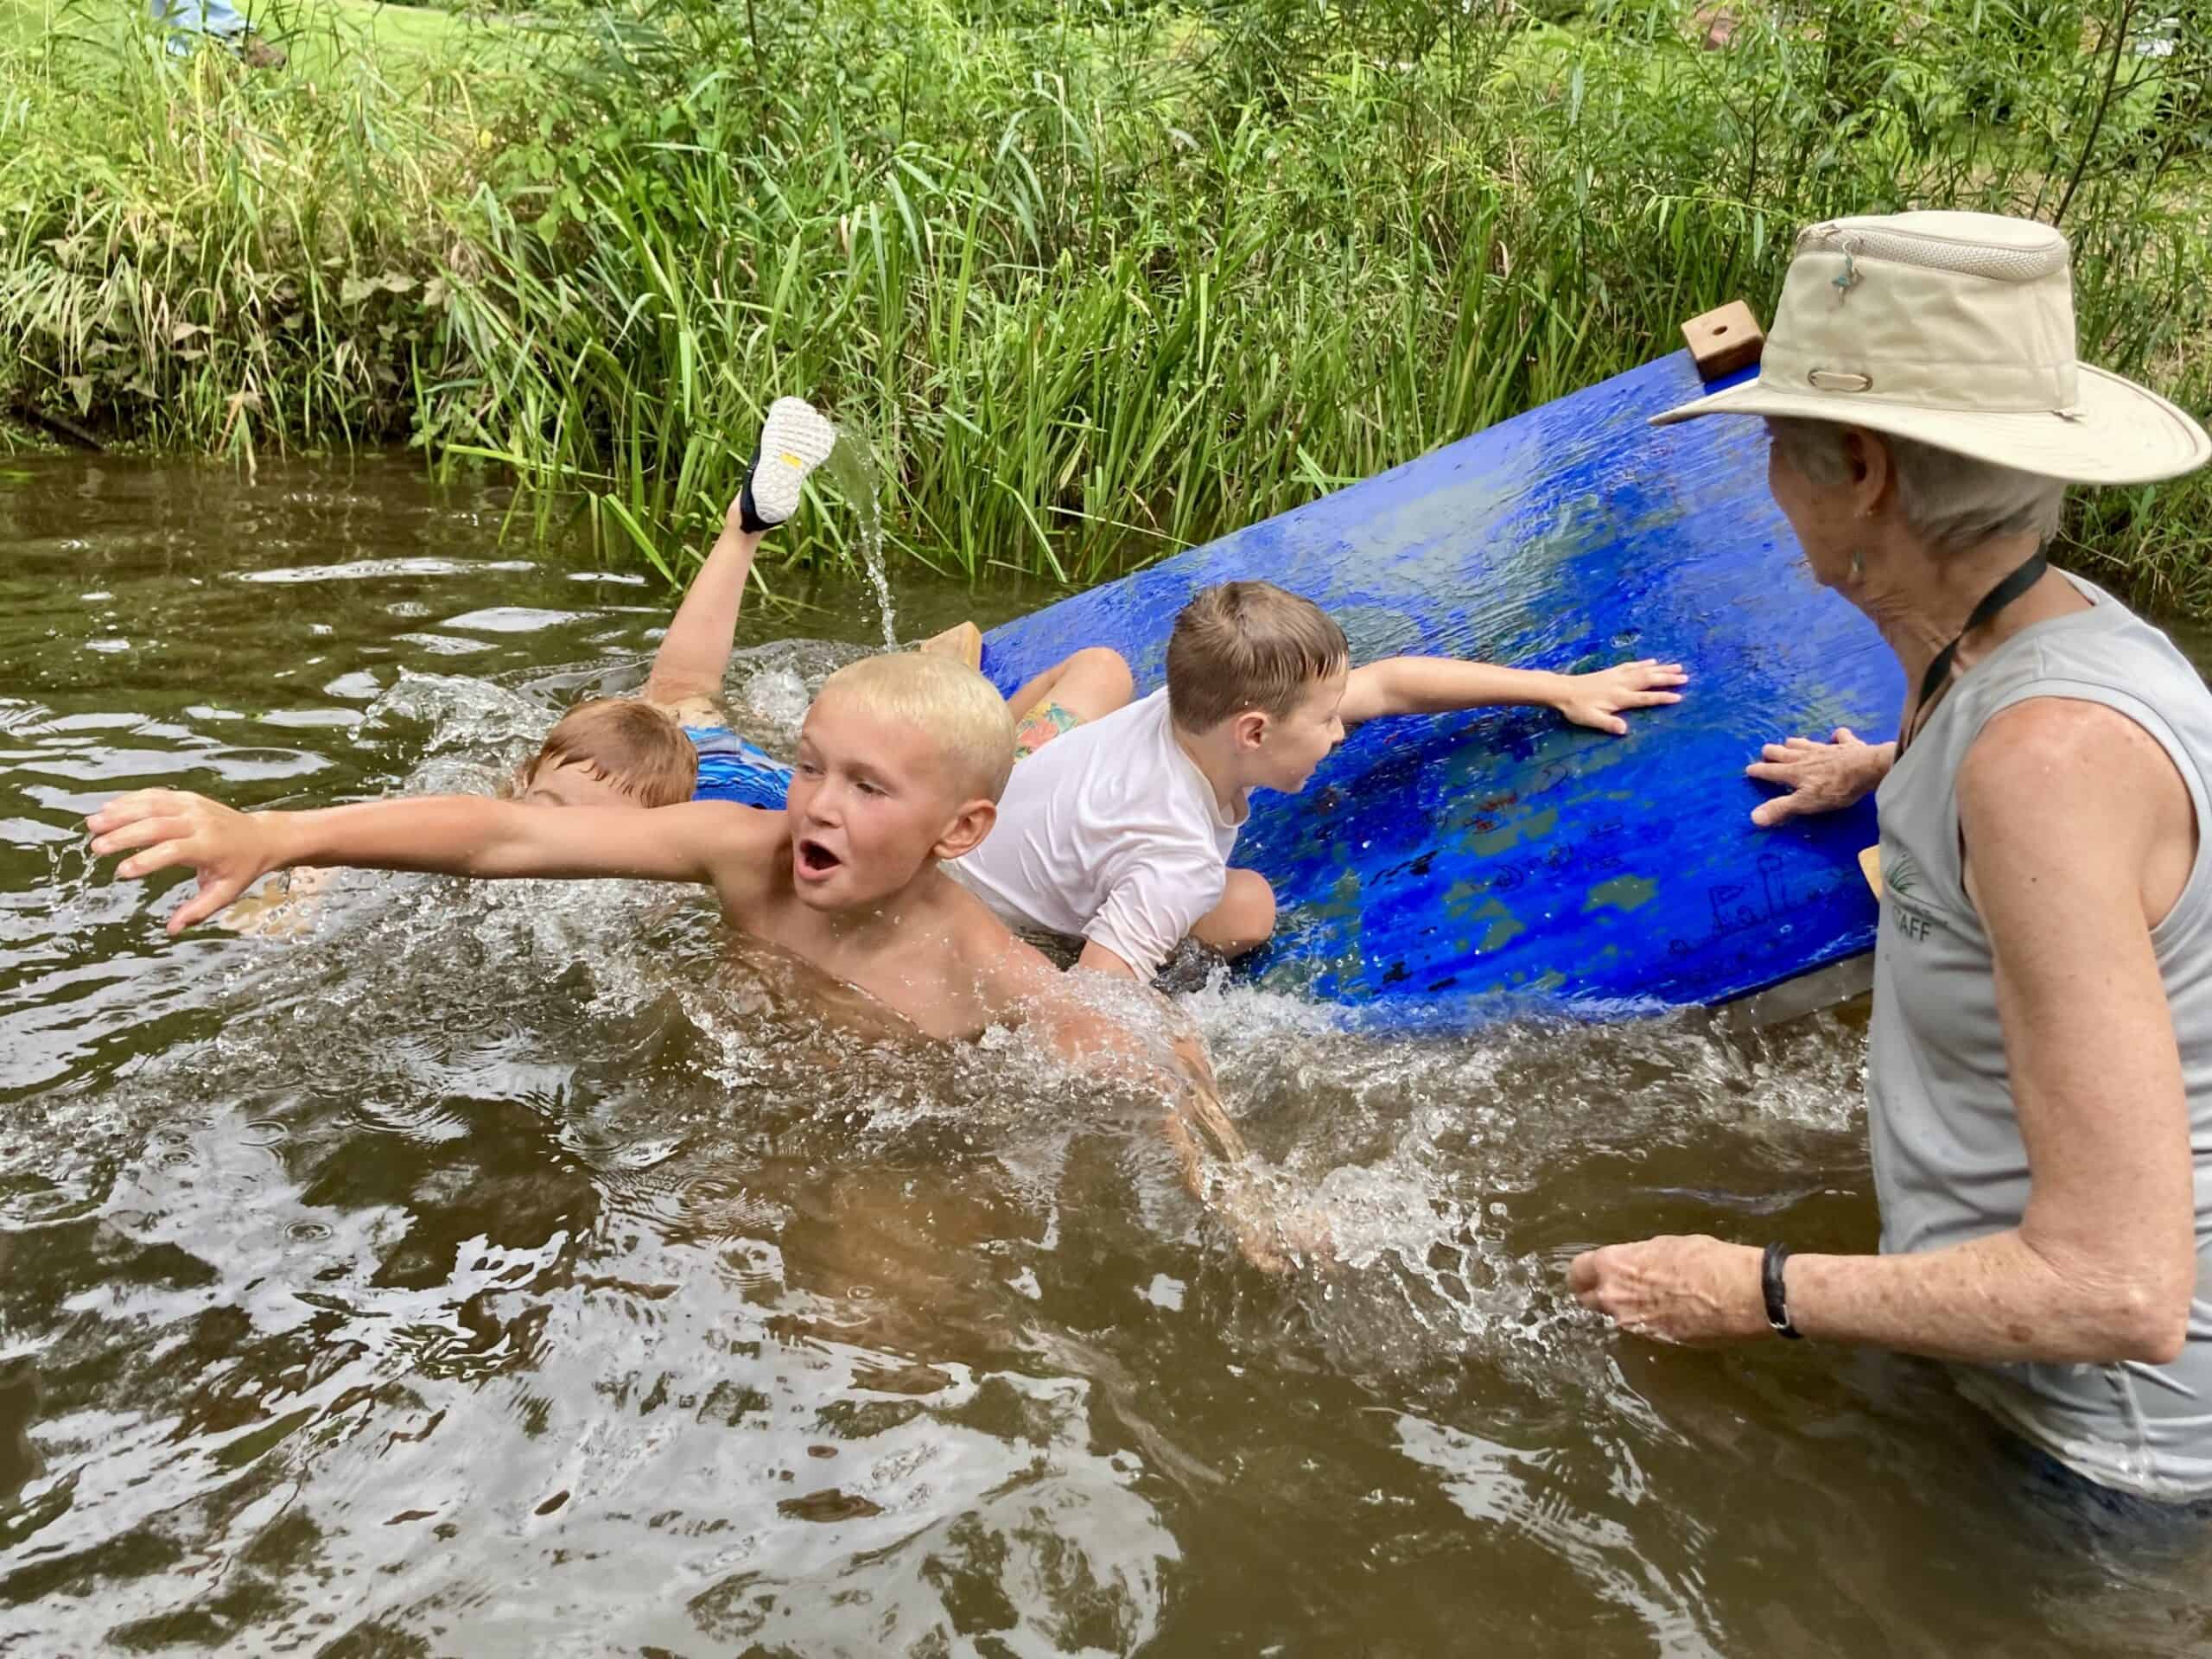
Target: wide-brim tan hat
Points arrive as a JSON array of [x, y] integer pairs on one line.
[[1956, 329]]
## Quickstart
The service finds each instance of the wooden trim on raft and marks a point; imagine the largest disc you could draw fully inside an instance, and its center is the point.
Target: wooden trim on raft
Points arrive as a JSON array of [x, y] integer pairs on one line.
[[1724, 340]]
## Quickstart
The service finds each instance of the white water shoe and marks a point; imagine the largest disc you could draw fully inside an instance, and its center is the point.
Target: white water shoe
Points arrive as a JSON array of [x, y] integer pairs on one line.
[[795, 439]]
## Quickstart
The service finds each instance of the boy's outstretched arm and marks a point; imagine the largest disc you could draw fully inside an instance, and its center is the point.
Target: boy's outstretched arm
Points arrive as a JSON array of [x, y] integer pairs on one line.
[[1217, 1166], [450, 835], [1435, 685]]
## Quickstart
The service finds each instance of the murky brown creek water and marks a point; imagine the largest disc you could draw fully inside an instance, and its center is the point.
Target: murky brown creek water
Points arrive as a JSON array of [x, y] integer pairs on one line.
[[492, 1271]]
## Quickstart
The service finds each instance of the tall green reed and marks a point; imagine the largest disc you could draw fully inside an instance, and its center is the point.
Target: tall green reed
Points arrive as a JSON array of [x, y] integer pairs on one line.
[[1098, 280], [195, 256], [1110, 282]]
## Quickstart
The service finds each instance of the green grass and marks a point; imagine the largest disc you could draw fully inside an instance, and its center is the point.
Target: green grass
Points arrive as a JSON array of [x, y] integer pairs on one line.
[[1097, 280], [408, 44]]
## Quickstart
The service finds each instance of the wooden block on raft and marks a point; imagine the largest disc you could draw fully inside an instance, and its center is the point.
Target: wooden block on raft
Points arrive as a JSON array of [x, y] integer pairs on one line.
[[963, 640], [1725, 340]]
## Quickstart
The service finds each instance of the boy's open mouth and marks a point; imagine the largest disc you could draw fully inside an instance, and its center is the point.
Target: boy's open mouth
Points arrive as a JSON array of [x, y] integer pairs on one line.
[[815, 859]]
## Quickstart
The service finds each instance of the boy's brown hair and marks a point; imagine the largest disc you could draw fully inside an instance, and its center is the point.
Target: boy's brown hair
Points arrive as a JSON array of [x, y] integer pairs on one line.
[[1248, 645], [633, 746]]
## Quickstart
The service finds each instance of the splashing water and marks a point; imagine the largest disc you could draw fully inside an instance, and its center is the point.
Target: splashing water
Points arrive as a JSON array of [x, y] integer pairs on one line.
[[505, 1268], [852, 463]]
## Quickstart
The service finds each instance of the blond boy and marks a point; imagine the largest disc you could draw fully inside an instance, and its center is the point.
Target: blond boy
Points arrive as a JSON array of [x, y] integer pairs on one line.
[[900, 762], [1118, 832]]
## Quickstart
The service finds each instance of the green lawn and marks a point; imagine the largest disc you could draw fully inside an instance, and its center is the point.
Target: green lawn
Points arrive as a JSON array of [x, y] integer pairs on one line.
[[407, 41]]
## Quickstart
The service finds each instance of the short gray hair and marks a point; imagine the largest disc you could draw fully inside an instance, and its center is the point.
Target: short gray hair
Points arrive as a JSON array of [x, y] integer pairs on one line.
[[1953, 502]]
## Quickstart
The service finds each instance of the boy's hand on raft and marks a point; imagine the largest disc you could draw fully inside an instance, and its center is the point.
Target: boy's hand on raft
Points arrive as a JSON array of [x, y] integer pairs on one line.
[[1596, 700], [161, 829], [1820, 777]]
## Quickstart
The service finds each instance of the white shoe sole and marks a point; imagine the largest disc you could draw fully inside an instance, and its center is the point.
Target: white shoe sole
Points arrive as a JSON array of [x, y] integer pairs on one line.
[[795, 439]]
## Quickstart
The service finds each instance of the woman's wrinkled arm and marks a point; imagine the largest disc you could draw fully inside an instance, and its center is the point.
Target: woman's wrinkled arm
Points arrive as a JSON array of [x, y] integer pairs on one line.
[[2068, 813], [2061, 806]]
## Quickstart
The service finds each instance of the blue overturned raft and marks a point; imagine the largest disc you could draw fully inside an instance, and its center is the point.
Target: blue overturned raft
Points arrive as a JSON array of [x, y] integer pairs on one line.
[[1439, 869]]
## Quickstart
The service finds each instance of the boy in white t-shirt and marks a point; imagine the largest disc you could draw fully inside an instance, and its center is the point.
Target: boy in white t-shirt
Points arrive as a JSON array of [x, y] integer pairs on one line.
[[1118, 830]]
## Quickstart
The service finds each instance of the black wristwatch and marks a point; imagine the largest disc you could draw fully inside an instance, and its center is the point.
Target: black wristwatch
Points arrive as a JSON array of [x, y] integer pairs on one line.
[[1778, 1298]]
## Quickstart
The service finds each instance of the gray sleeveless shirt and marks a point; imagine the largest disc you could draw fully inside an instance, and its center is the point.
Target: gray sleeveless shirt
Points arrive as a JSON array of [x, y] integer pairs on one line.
[[1948, 1161]]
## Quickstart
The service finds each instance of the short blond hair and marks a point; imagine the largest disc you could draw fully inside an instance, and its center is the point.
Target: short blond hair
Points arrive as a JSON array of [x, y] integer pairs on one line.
[[945, 700], [633, 746], [1248, 645]]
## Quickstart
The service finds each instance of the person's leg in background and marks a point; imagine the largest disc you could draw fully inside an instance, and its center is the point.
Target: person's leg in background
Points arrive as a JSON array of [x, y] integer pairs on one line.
[[220, 21]]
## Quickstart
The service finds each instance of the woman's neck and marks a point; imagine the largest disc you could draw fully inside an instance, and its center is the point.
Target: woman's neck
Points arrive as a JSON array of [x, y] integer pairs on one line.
[[1921, 602]]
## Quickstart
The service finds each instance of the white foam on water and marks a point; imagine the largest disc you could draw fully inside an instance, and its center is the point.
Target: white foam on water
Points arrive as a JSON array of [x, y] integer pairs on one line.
[[514, 619], [365, 570]]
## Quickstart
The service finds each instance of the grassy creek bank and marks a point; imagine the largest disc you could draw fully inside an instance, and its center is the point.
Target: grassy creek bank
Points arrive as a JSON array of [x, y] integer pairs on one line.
[[1097, 280]]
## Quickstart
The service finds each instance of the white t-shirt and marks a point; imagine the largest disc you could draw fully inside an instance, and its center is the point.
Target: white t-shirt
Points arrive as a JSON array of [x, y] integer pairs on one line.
[[1109, 833]]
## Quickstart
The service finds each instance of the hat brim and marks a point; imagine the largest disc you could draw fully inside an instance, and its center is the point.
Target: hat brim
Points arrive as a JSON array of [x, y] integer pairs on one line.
[[2118, 432]]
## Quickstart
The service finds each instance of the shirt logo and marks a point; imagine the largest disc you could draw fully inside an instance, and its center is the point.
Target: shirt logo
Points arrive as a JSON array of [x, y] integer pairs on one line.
[[1901, 881]]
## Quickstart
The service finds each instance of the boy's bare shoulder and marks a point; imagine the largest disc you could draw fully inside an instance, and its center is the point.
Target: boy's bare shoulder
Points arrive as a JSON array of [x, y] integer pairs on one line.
[[721, 820], [738, 845], [1006, 969]]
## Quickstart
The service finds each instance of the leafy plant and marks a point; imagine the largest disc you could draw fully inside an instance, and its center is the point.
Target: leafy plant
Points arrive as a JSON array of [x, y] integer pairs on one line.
[[1097, 280]]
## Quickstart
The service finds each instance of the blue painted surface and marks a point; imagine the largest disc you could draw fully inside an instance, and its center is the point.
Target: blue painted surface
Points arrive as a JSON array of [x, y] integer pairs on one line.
[[1439, 870]]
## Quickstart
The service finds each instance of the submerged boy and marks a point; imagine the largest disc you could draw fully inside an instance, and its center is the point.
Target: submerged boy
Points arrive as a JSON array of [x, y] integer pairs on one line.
[[901, 759], [1119, 832], [672, 742]]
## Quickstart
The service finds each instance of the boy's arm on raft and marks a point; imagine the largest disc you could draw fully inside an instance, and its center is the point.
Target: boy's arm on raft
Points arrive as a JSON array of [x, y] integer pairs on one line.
[[460, 835], [1435, 685], [694, 654]]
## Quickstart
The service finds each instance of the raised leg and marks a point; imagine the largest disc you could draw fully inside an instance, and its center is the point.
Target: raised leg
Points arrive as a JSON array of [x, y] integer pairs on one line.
[[694, 655], [1093, 682]]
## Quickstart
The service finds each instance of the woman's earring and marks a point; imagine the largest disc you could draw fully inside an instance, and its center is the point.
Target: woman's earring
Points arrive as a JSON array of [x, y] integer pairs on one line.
[[1857, 561]]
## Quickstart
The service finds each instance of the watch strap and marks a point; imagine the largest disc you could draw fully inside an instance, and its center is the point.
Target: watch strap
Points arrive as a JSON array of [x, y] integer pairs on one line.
[[1777, 1297]]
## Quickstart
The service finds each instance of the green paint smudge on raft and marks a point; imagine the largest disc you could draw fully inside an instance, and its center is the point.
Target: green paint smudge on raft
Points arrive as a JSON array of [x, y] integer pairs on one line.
[[1622, 893]]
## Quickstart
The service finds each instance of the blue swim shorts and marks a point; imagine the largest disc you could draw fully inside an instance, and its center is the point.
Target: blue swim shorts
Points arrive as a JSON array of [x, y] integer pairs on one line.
[[733, 768]]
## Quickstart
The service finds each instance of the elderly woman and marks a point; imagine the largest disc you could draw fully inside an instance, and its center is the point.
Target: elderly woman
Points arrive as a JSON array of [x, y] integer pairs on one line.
[[2039, 1076]]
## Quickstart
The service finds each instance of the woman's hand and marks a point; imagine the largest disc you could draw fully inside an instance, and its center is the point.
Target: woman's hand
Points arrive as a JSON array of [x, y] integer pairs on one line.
[[1820, 777], [1596, 700], [1691, 1290]]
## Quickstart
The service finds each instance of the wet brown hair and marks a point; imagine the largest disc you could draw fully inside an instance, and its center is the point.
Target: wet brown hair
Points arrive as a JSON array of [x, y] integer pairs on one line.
[[633, 746], [1248, 645]]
